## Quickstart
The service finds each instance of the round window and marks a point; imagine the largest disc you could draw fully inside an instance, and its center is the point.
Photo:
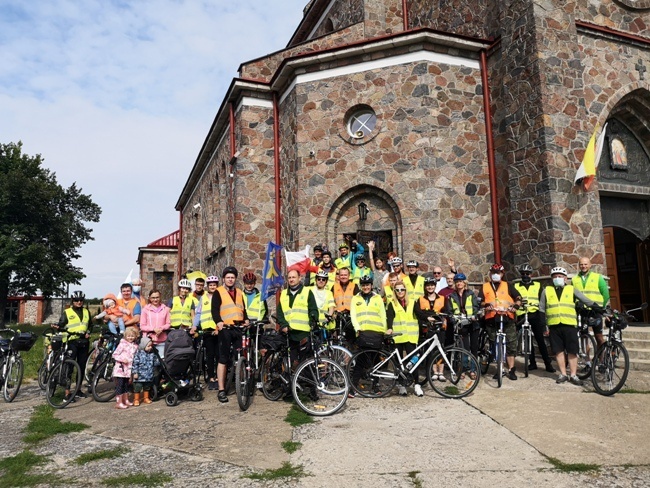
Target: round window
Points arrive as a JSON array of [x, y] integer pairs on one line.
[[362, 123]]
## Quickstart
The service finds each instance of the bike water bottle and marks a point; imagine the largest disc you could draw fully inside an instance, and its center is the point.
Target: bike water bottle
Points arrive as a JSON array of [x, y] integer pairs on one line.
[[412, 362]]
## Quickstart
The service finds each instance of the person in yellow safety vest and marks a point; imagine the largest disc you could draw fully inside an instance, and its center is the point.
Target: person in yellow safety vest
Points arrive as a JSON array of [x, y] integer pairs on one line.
[[558, 303], [360, 269], [324, 299], [388, 287], [530, 292], [401, 318], [343, 292], [427, 309], [77, 319], [183, 306], [463, 301], [328, 265], [501, 299], [310, 277], [368, 315], [414, 282], [203, 321], [256, 308], [347, 259], [296, 311], [593, 286], [229, 313]]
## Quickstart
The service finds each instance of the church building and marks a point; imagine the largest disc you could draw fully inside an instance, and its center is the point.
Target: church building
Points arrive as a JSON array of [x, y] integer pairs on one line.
[[440, 129]]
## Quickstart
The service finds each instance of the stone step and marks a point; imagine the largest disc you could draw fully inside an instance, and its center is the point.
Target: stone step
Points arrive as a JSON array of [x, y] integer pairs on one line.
[[638, 353], [640, 365], [633, 343], [636, 332]]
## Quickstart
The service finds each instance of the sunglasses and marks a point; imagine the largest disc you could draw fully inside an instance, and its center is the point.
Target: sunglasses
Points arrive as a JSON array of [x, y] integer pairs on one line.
[[321, 279], [399, 290]]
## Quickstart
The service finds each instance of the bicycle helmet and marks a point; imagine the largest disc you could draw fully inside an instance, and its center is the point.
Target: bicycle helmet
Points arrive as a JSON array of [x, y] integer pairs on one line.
[[430, 280], [344, 245], [229, 270], [323, 274], [497, 268], [212, 279], [78, 295], [360, 257], [526, 268], [185, 283], [365, 280], [413, 263], [318, 247], [559, 270], [396, 261], [249, 278], [460, 277], [327, 253]]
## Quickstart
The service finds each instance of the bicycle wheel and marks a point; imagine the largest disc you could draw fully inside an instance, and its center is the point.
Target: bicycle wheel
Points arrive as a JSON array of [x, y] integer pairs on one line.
[[586, 355], [42, 373], [93, 357], [13, 379], [372, 373], [459, 376], [103, 387], [338, 354], [484, 354], [63, 383], [610, 368], [320, 386], [525, 349], [272, 375], [243, 384], [500, 359]]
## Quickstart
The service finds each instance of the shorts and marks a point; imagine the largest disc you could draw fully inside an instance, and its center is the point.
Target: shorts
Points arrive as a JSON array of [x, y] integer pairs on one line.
[[563, 338], [509, 328], [227, 338]]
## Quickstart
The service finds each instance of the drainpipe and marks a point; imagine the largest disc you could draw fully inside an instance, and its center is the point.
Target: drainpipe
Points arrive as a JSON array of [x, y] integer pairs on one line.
[[494, 201], [276, 168], [405, 15], [180, 245]]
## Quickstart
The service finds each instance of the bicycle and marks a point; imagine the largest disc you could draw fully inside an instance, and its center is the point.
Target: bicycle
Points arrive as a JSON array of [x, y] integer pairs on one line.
[[498, 350], [247, 367], [102, 386], [11, 363], [586, 342], [46, 366], [378, 370], [65, 377], [525, 341], [606, 374], [319, 385], [106, 344], [331, 346]]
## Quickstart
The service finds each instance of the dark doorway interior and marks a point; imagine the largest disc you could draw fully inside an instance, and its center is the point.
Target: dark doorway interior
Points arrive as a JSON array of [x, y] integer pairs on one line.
[[164, 282], [383, 241]]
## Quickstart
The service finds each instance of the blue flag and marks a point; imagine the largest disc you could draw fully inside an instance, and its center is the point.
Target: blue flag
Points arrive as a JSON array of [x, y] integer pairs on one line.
[[272, 280]]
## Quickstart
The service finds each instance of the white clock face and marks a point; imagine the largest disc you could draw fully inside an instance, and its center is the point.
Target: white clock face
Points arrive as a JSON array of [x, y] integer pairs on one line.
[[636, 4]]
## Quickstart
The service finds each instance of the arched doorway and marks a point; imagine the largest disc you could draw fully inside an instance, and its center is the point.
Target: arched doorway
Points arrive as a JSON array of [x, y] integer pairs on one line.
[[366, 213]]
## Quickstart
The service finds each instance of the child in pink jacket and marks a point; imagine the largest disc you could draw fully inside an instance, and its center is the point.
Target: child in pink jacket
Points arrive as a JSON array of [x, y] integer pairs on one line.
[[123, 356]]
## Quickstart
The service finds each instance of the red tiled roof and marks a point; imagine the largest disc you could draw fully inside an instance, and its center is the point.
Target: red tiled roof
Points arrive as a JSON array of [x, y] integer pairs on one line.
[[170, 240]]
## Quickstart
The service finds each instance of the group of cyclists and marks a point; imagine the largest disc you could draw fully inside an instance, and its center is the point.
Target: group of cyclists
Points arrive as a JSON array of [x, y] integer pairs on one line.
[[364, 304]]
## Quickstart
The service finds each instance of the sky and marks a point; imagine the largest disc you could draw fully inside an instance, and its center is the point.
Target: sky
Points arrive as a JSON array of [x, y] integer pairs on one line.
[[118, 96]]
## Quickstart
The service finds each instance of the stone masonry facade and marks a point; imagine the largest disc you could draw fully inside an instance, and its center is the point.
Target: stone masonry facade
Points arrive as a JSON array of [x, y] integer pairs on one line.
[[554, 75]]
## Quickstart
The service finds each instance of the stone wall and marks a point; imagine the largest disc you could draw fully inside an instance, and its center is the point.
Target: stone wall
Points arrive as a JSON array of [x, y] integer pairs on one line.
[[466, 17], [382, 17], [616, 14], [154, 261], [342, 14]]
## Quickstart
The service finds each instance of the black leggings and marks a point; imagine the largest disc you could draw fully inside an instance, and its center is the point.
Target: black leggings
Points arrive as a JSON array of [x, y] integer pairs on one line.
[[211, 343]]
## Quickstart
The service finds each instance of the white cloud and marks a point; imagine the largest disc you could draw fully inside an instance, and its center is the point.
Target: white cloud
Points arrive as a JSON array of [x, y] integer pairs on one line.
[[119, 96]]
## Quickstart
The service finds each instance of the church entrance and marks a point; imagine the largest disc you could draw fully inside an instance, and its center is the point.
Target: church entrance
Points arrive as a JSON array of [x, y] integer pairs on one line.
[[383, 242]]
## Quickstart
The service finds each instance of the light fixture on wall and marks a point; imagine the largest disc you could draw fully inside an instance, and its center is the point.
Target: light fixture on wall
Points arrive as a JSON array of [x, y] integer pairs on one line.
[[363, 211]]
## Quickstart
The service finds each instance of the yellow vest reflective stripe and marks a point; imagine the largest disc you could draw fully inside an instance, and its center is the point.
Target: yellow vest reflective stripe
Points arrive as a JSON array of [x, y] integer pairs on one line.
[[531, 294], [298, 315], [560, 311], [589, 288], [231, 311], [254, 310], [342, 298], [206, 313], [324, 301], [181, 312], [406, 323], [74, 323], [370, 316], [469, 307], [415, 291]]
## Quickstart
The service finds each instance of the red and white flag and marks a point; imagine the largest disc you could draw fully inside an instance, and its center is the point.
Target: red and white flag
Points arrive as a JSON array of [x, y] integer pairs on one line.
[[299, 260]]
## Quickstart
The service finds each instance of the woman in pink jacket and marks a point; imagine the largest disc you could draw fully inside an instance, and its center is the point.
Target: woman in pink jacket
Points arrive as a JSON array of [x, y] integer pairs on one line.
[[155, 321]]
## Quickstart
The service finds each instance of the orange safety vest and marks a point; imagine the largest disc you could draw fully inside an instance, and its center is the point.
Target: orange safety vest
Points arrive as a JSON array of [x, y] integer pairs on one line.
[[500, 299], [343, 298], [438, 304], [231, 311]]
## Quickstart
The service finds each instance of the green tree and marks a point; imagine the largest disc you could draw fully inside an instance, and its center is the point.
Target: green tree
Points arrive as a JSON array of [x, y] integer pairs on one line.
[[42, 225]]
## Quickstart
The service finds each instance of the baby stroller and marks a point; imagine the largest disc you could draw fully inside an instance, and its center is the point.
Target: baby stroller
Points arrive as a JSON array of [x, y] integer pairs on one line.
[[178, 375]]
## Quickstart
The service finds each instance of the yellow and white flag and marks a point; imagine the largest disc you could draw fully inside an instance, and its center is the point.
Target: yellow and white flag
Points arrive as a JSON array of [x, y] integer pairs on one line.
[[587, 170]]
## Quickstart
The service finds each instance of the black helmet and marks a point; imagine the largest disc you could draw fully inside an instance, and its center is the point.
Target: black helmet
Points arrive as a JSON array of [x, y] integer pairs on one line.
[[430, 280], [365, 279], [78, 295], [526, 268], [229, 270]]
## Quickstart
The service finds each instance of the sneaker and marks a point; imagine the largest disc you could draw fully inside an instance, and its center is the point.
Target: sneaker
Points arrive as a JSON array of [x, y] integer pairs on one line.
[[441, 378], [562, 379], [418, 390], [532, 367], [576, 381], [602, 369], [496, 375], [511, 375], [401, 391], [223, 398], [352, 393], [81, 394], [550, 368]]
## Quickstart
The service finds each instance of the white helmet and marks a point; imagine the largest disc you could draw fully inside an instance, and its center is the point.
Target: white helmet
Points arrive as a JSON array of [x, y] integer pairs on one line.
[[559, 270], [185, 283]]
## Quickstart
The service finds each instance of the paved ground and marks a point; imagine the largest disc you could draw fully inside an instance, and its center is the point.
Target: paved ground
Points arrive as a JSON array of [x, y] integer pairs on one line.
[[497, 436]]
